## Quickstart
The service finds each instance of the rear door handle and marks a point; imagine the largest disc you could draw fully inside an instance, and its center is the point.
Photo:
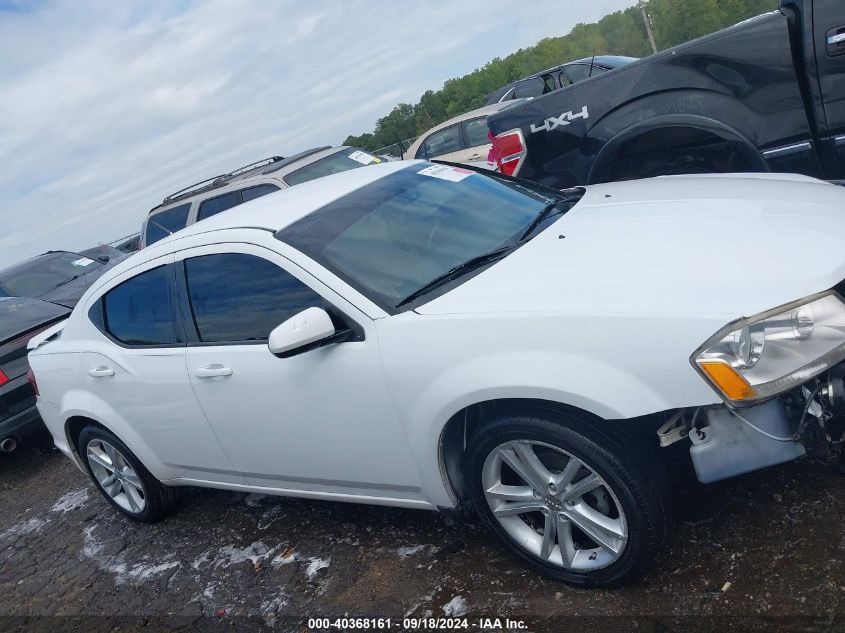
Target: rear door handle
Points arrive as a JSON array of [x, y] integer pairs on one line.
[[101, 372], [210, 371]]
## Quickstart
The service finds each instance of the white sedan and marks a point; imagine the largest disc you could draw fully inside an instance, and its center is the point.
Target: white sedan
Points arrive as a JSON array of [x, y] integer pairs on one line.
[[424, 336]]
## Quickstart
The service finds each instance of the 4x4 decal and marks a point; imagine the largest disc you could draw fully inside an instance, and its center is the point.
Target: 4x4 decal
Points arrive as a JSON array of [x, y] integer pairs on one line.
[[564, 119]]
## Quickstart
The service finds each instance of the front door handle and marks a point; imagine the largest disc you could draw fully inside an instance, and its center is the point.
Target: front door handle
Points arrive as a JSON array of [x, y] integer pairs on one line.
[[211, 371], [101, 372]]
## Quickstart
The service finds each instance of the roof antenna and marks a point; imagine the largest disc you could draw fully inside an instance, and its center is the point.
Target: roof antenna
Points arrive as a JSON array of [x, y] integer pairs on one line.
[[592, 61]]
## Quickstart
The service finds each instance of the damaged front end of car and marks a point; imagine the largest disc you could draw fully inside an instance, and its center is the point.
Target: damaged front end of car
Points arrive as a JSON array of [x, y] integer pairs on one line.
[[781, 375]]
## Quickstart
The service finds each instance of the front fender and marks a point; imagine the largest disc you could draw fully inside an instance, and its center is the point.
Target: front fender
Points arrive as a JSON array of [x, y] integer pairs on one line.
[[492, 377]]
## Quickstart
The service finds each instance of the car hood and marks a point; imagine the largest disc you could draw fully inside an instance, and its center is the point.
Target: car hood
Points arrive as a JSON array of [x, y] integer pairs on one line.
[[725, 246]]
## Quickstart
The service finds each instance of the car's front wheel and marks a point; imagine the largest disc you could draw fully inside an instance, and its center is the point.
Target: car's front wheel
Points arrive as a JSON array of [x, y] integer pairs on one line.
[[121, 478], [575, 504]]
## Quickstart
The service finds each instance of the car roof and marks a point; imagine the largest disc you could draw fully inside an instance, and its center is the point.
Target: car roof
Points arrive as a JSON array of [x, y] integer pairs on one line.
[[609, 61], [273, 167]]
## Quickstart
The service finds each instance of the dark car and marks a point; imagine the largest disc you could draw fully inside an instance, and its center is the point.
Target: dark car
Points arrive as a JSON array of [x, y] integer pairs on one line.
[[765, 95], [558, 77], [103, 253], [57, 276], [129, 244], [20, 320]]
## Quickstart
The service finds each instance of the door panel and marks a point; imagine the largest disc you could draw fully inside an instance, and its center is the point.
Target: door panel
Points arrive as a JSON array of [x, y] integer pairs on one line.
[[136, 370], [829, 35], [322, 421]]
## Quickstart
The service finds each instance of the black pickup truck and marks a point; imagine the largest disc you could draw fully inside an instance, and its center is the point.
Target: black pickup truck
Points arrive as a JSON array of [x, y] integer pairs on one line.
[[767, 94]]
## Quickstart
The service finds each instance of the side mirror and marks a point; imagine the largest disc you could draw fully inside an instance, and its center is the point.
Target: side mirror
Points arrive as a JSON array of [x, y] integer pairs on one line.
[[103, 258], [310, 329]]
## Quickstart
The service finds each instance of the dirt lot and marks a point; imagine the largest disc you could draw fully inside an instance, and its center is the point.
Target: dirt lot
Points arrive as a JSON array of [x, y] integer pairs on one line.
[[764, 551]]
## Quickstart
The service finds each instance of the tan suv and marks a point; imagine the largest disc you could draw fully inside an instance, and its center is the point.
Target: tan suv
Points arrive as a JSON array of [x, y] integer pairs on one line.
[[462, 139], [211, 196]]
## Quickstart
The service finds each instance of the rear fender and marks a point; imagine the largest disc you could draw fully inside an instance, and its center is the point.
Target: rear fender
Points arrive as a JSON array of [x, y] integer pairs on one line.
[[86, 405]]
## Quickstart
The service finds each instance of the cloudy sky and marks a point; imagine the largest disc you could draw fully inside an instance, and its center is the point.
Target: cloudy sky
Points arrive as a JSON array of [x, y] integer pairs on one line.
[[106, 107]]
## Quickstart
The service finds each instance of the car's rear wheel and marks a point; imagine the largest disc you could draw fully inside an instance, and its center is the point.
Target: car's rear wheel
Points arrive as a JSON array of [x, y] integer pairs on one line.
[[121, 478], [574, 504]]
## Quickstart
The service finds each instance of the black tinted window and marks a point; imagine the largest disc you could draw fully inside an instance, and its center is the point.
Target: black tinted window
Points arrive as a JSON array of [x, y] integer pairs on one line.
[[256, 192], [532, 87], [237, 297], [579, 72], [137, 312], [162, 224], [213, 206]]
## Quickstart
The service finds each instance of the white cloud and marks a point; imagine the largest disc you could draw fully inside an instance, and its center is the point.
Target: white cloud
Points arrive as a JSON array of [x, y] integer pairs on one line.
[[106, 107]]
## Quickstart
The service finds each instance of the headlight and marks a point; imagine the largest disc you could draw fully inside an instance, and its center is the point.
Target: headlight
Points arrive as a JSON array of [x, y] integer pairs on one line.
[[765, 355]]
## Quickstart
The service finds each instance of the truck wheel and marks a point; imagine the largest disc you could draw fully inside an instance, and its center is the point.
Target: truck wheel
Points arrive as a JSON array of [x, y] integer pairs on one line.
[[572, 503], [121, 478]]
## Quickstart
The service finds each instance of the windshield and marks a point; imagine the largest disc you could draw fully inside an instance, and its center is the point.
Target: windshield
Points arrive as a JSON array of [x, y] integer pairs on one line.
[[42, 274], [392, 237], [344, 160]]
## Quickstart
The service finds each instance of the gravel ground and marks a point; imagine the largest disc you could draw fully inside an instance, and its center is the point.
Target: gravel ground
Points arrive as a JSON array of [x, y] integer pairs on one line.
[[764, 551]]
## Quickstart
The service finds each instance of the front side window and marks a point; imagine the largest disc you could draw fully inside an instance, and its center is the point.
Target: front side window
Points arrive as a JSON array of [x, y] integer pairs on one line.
[[44, 274], [441, 142], [344, 160], [137, 312], [390, 238], [237, 297], [476, 130], [163, 223]]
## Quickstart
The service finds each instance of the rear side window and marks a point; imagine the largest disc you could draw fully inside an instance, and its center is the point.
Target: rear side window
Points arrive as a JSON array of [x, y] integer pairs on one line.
[[137, 312], [441, 142], [163, 223], [216, 205], [579, 72], [213, 206], [256, 192], [237, 297], [532, 87]]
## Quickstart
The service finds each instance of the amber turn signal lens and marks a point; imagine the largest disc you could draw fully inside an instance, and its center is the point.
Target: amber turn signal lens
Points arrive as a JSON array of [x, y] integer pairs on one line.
[[734, 386]]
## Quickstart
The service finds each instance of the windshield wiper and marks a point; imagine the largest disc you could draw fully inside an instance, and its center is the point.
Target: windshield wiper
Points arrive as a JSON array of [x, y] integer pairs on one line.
[[457, 271], [67, 281], [540, 218]]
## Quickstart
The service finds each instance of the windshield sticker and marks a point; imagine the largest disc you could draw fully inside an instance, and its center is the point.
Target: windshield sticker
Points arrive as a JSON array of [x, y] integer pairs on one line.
[[363, 157], [82, 261], [446, 172]]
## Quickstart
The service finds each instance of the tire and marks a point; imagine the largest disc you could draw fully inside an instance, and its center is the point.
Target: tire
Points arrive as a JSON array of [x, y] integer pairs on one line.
[[604, 537], [134, 491]]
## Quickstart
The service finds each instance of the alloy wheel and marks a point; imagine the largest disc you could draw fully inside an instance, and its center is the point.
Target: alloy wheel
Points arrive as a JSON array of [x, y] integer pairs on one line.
[[554, 505], [116, 476]]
